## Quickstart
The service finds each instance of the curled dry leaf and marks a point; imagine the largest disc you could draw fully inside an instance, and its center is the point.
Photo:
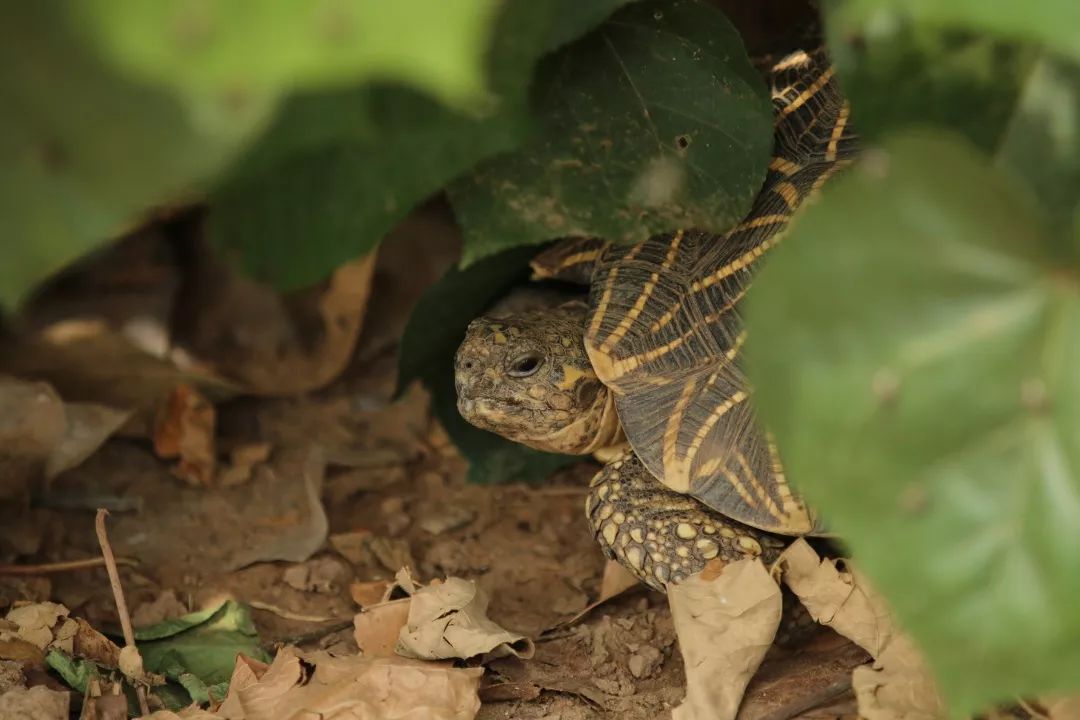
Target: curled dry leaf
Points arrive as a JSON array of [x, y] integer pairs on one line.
[[725, 623], [898, 684], [449, 620], [368, 593], [92, 645], [376, 629], [358, 688], [184, 429], [837, 599], [41, 623]]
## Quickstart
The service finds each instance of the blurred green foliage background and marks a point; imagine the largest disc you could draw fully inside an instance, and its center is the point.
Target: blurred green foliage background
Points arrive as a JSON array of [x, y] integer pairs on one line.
[[915, 342]]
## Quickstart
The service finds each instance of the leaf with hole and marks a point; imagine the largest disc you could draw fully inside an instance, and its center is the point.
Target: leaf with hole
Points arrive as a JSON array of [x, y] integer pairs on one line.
[[655, 120], [337, 170]]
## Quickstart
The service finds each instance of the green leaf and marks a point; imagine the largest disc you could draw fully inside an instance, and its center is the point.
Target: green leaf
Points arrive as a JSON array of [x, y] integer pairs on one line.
[[77, 673], [1051, 23], [84, 151], [249, 51], [199, 650], [655, 120], [907, 73], [315, 194], [432, 335], [924, 394], [1042, 146], [337, 170]]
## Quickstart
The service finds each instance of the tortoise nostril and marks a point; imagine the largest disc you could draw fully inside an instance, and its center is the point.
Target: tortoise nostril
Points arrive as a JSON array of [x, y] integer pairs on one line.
[[468, 365]]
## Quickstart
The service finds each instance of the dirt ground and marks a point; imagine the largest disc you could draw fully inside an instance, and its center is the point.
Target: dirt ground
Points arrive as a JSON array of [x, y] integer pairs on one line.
[[382, 480]]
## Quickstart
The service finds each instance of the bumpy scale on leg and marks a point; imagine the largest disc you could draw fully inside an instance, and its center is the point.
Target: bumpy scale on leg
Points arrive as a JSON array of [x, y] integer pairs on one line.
[[663, 536]]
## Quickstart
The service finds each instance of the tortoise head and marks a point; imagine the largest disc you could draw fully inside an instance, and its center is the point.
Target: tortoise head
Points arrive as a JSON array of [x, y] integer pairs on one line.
[[526, 376]]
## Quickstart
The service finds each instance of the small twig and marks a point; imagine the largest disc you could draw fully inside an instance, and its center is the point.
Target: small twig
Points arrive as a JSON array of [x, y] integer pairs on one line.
[[118, 596], [1030, 710], [289, 614], [319, 634], [62, 566]]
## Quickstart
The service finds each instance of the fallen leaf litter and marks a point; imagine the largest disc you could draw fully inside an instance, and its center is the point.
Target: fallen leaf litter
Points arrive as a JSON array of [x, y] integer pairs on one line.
[[307, 506]]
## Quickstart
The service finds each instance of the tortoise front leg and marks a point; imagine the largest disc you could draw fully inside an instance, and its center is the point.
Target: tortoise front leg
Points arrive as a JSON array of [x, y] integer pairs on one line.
[[660, 535]]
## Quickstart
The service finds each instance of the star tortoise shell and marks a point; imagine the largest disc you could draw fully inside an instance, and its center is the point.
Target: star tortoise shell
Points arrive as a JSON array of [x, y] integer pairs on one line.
[[664, 331]]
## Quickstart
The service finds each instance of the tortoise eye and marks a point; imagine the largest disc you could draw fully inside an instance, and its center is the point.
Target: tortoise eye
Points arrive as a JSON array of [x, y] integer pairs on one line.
[[525, 365]]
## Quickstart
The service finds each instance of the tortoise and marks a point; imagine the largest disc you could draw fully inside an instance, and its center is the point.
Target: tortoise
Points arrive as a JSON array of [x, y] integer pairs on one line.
[[647, 369]]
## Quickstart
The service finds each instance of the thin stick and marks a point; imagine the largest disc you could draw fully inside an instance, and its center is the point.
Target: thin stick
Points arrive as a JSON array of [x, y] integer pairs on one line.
[[289, 614], [118, 596], [62, 566]]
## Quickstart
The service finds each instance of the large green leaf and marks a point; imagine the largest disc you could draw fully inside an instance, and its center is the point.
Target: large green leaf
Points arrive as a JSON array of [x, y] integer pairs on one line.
[[199, 650], [1052, 23], [655, 120], [908, 73], [915, 345], [435, 329], [338, 170], [83, 151], [250, 51], [1042, 147]]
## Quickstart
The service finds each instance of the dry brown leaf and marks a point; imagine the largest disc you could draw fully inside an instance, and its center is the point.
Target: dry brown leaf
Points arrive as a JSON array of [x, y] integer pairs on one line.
[[87, 361], [365, 549], [189, 713], [449, 620], [37, 703], [38, 622], [376, 628], [184, 429], [30, 427], [898, 685], [1063, 708], [91, 644], [354, 688], [242, 461], [111, 704], [273, 344], [27, 654], [837, 599], [246, 673], [368, 593], [88, 426], [33, 420], [301, 538], [725, 626]]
